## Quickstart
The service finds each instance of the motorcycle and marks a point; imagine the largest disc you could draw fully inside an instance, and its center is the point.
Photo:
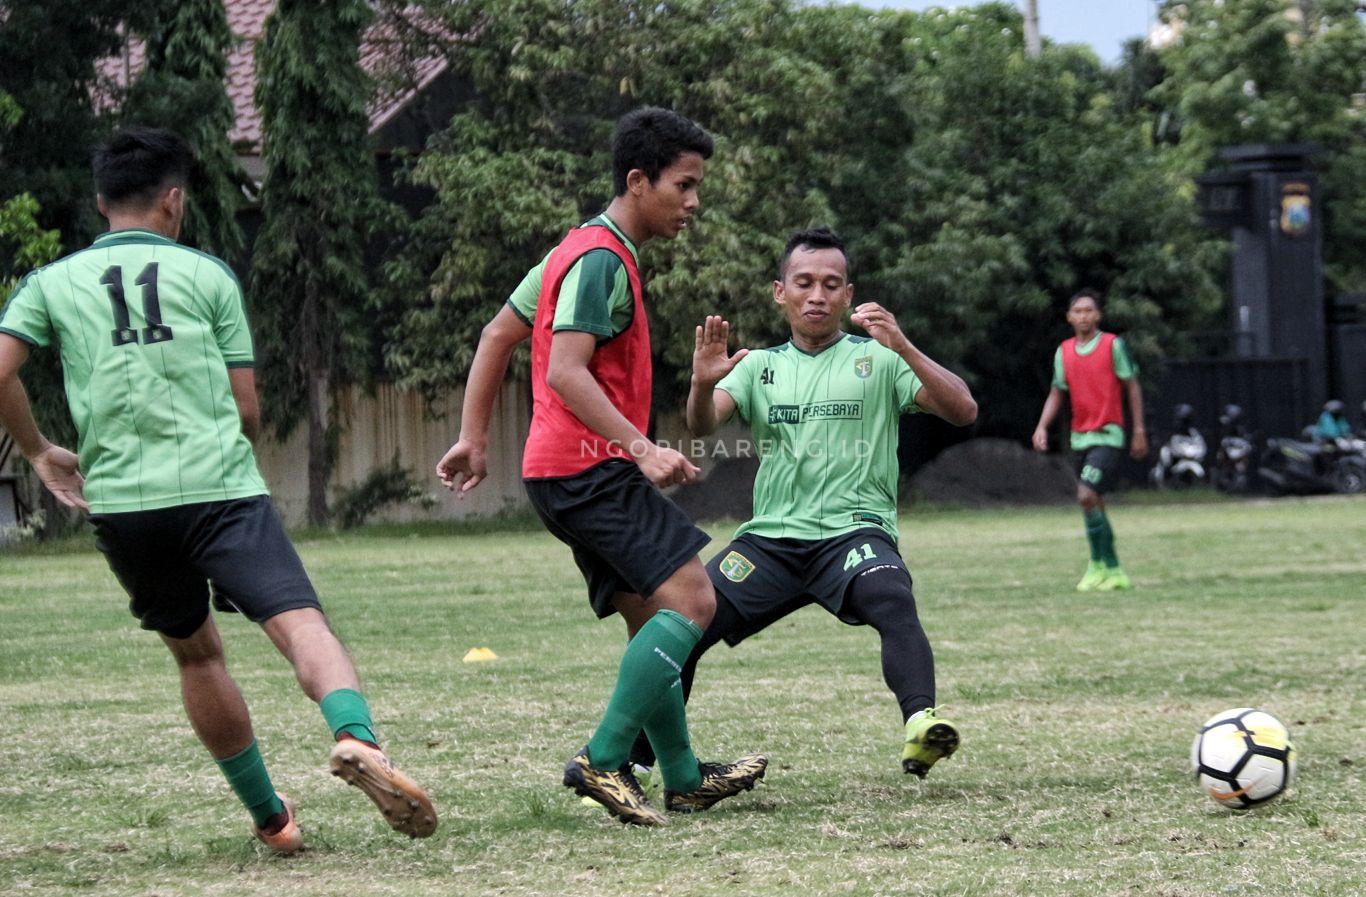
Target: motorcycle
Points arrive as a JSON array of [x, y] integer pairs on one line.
[[1181, 461], [1306, 467], [1233, 461], [1233, 464]]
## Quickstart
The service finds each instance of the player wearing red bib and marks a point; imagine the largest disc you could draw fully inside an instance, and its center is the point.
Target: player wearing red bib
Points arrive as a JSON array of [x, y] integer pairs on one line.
[[592, 474], [1094, 370]]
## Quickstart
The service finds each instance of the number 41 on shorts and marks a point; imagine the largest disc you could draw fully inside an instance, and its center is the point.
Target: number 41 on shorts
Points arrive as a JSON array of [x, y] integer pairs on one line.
[[858, 555]]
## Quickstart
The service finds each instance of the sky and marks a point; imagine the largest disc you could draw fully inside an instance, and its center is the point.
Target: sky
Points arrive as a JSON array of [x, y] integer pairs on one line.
[[1103, 24]]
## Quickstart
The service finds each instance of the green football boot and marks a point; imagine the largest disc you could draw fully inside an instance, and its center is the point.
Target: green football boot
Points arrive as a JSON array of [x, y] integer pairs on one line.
[[1094, 576], [929, 739], [1115, 580]]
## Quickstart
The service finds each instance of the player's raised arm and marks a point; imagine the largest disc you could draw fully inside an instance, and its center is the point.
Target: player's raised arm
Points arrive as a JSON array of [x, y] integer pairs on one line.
[[708, 407], [942, 392], [465, 463]]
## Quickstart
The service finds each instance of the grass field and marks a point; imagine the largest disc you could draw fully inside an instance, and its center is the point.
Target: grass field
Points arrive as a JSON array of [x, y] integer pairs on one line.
[[1077, 713]]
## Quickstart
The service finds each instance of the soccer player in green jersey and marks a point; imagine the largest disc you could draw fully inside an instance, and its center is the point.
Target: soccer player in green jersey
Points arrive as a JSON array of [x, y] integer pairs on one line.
[[824, 409], [1093, 369], [157, 361], [593, 476]]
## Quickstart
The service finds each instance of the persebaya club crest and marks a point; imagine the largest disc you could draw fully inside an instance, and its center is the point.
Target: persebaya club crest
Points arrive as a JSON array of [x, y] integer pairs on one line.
[[736, 567], [863, 367]]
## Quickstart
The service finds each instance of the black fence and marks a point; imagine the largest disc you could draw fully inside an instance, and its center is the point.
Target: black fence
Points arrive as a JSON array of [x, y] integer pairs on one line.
[[1274, 393]]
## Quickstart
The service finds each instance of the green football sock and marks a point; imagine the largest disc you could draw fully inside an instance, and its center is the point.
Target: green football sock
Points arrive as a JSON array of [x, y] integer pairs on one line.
[[1107, 542], [649, 668], [667, 729], [346, 712], [246, 773], [1096, 526]]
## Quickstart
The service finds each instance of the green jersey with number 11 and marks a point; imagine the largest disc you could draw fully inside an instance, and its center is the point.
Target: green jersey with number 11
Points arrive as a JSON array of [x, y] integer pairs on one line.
[[825, 427], [147, 330]]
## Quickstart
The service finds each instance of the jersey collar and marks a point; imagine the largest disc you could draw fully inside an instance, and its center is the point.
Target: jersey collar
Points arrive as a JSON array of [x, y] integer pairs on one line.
[[612, 226], [1089, 345], [131, 235], [839, 339]]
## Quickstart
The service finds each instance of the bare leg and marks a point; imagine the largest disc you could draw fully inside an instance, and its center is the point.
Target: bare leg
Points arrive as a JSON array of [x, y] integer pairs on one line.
[[308, 643], [212, 700]]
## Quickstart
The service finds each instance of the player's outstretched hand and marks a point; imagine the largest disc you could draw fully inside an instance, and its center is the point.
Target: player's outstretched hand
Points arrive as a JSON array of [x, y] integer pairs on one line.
[[60, 471], [463, 467], [666, 467], [880, 324], [1040, 440], [709, 359]]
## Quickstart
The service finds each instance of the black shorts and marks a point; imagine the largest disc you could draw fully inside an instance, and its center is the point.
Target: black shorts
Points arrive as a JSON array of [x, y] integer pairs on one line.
[[1098, 466], [167, 559], [625, 534], [767, 579]]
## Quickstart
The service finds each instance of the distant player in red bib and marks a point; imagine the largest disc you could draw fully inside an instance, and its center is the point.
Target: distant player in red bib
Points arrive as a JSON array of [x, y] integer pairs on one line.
[[1094, 369], [593, 475]]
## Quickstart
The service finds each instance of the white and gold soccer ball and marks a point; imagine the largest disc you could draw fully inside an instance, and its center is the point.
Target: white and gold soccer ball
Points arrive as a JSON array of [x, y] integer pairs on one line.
[[1243, 757]]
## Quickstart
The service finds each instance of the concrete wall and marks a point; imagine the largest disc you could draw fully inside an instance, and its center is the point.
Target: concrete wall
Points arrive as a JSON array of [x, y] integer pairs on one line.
[[391, 421]]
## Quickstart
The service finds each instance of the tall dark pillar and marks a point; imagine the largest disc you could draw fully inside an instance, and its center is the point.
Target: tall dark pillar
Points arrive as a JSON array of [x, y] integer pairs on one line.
[[1268, 199]]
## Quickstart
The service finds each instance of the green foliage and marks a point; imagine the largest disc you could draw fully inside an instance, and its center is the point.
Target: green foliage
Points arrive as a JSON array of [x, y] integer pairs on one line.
[[182, 88], [391, 484], [1277, 71], [48, 53], [530, 159], [24, 244], [1021, 182], [977, 189], [320, 203]]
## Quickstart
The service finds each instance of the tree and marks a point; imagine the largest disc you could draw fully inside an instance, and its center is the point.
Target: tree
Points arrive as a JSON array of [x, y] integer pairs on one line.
[[182, 88], [320, 205], [998, 186], [529, 158], [48, 55], [1271, 71]]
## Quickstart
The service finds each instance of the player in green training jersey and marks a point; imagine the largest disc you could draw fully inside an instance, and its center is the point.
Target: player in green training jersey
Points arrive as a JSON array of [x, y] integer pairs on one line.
[[157, 361], [824, 410], [1094, 371]]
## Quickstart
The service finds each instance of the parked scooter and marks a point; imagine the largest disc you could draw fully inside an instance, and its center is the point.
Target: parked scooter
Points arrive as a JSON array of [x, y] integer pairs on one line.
[[1306, 466], [1181, 460], [1233, 462]]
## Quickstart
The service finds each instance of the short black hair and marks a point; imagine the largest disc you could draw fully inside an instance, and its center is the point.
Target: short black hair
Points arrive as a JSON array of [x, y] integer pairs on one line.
[[652, 139], [1085, 293], [137, 163], [814, 238]]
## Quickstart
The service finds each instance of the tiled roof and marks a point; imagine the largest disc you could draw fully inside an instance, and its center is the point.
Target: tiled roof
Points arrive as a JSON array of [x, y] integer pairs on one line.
[[246, 20]]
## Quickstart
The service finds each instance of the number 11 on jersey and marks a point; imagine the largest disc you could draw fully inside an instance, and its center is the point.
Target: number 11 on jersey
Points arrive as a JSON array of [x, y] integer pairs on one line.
[[124, 333]]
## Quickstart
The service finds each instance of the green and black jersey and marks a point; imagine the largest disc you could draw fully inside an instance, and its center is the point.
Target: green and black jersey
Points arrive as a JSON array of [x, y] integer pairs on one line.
[[595, 296], [825, 427], [147, 330]]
